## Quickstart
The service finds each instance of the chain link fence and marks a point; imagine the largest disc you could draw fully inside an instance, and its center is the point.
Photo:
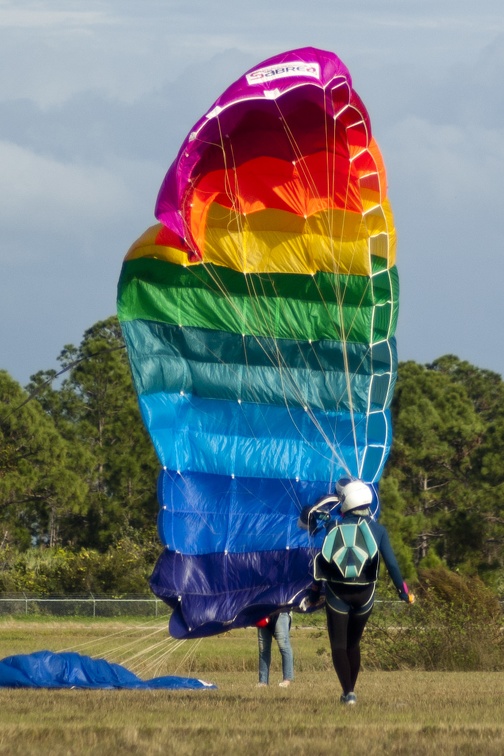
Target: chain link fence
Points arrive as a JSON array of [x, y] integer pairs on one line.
[[129, 605], [105, 605], [90, 605]]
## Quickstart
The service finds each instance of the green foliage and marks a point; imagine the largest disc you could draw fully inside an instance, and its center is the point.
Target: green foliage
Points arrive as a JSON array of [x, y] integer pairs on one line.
[[95, 410], [454, 625], [443, 488], [123, 568], [39, 490], [77, 475], [400, 525]]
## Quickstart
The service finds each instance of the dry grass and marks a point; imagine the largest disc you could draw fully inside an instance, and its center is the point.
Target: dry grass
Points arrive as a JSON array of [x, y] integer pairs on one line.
[[397, 712]]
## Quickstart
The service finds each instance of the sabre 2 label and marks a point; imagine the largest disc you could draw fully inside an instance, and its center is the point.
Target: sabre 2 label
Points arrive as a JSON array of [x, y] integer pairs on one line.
[[283, 71]]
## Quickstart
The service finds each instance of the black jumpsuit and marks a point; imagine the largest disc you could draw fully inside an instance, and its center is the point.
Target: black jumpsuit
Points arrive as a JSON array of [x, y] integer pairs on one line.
[[349, 604]]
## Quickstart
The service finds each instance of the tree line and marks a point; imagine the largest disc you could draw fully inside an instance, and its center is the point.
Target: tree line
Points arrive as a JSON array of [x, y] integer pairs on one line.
[[78, 501]]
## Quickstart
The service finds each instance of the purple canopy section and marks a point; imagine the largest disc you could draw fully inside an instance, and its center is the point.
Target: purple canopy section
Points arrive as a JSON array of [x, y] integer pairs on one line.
[[306, 66]]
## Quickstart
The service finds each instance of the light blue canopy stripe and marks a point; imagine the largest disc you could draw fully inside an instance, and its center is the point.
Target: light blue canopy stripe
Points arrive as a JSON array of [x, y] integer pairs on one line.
[[220, 437]]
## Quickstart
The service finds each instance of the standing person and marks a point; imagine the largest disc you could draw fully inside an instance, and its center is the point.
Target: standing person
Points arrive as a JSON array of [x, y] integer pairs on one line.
[[348, 565], [275, 626]]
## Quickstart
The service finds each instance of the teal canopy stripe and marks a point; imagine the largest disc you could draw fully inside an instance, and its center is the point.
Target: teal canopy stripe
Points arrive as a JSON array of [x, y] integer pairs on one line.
[[257, 369]]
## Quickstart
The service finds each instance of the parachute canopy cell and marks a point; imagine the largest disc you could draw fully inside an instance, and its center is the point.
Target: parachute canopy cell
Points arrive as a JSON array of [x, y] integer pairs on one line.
[[259, 318]]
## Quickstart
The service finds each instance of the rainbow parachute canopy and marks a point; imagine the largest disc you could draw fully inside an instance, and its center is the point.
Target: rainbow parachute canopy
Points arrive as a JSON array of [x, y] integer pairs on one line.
[[259, 318]]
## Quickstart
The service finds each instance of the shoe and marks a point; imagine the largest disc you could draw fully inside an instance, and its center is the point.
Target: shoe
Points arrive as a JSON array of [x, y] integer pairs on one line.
[[262, 685], [350, 698], [284, 683]]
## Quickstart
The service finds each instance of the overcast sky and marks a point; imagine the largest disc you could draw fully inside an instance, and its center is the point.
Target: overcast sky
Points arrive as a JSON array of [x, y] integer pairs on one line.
[[96, 97]]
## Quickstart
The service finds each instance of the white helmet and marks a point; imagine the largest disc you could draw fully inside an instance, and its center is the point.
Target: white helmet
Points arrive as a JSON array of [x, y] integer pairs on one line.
[[340, 485], [355, 495]]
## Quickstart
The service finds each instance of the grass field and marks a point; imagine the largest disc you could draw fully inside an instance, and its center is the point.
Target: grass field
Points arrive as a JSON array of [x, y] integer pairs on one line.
[[406, 712]]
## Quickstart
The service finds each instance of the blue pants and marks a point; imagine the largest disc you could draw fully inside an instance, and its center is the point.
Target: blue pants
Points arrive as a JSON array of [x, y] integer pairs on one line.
[[280, 630]]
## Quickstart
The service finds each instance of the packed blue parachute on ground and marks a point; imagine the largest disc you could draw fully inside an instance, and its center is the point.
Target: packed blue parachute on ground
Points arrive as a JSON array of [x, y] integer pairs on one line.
[[46, 669]]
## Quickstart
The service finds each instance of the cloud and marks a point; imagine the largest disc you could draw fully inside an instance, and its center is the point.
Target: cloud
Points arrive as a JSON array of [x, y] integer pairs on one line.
[[13, 16], [53, 196]]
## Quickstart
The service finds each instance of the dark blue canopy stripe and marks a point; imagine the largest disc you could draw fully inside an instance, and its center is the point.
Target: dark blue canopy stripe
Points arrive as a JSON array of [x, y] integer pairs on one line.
[[215, 592], [203, 513]]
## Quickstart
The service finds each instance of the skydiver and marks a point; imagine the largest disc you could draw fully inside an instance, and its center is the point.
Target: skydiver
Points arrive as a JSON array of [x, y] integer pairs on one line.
[[349, 600]]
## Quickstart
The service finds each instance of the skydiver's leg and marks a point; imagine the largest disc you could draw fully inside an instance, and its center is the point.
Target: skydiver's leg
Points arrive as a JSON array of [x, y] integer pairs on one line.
[[337, 627], [282, 636], [356, 625], [264, 638], [361, 611]]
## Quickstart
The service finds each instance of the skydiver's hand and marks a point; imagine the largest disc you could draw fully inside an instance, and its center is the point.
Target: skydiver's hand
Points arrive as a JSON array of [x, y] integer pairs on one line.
[[313, 601], [305, 605], [405, 595], [409, 598]]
